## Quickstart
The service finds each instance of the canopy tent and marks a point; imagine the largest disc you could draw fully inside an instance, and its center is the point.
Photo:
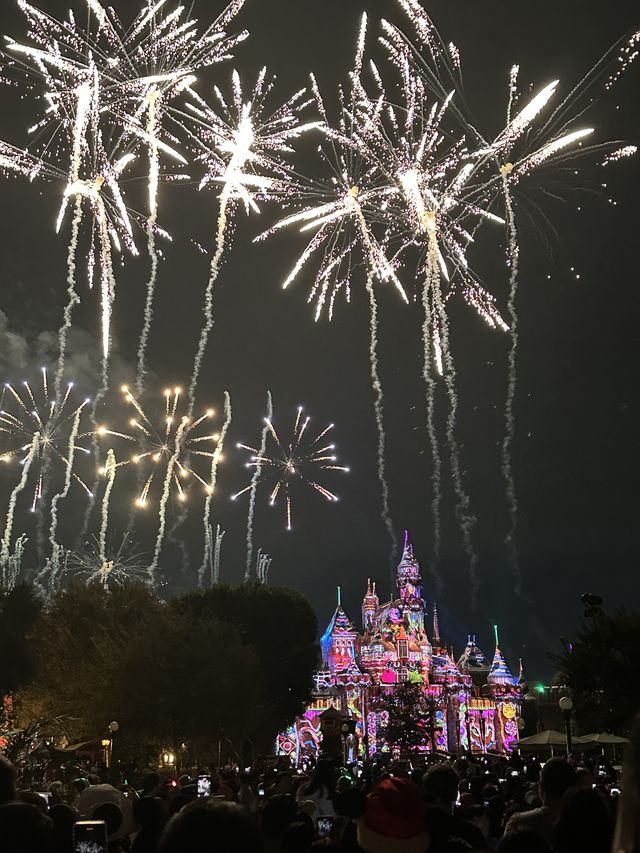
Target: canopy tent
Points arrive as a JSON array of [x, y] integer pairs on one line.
[[602, 739], [548, 738]]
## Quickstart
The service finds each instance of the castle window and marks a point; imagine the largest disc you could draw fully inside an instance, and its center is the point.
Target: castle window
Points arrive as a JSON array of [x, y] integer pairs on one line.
[[403, 648], [403, 674]]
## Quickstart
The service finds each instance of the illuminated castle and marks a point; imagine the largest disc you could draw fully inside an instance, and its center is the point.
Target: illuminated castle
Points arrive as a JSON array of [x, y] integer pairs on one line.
[[474, 705]]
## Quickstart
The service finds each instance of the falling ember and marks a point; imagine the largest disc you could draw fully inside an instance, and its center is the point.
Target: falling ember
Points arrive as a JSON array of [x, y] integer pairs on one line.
[[208, 559], [298, 459]]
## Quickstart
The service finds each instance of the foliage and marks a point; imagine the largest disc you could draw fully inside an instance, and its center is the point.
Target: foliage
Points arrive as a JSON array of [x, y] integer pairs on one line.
[[601, 668], [410, 723], [281, 627], [125, 656], [77, 650], [19, 614], [228, 663]]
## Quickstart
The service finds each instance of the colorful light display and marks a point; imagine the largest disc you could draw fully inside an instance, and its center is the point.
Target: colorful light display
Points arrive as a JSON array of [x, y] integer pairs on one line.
[[470, 705]]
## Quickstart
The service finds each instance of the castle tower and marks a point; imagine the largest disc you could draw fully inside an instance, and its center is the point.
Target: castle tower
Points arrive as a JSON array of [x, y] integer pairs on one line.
[[339, 643], [409, 578], [473, 660], [500, 674], [370, 604]]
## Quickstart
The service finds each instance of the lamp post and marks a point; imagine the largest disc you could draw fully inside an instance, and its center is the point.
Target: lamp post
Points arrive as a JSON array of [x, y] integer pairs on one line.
[[114, 727], [345, 733], [566, 706]]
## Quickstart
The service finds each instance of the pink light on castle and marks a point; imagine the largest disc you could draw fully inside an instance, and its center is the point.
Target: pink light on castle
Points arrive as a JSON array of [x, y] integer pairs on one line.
[[468, 705]]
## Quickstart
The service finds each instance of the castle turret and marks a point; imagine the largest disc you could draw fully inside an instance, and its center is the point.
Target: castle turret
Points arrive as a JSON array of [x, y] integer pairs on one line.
[[473, 660], [339, 642], [499, 674], [409, 578], [370, 604]]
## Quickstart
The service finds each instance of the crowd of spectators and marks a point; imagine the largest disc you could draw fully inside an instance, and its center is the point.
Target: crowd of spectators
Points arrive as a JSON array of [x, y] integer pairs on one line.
[[441, 806]]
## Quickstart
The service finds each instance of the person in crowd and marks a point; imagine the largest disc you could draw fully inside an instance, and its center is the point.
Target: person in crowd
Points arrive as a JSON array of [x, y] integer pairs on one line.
[[63, 818], [627, 831], [440, 786], [478, 816], [394, 819], [151, 784], [211, 826], [24, 829], [246, 798], [279, 812], [523, 841], [585, 824], [556, 778], [35, 800], [7, 781], [298, 838], [149, 817], [76, 787], [320, 789]]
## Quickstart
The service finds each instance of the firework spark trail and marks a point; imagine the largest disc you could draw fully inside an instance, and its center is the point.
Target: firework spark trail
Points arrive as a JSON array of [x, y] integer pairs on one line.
[[254, 487], [162, 514], [154, 167], [55, 547], [463, 512], [81, 121], [74, 299], [215, 461], [510, 424], [107, 296], [217, 554], [109, 471], [263, 564], [208, 297], [13, 566], [243, 146], [5, 548], [436, 473], [379, 412]]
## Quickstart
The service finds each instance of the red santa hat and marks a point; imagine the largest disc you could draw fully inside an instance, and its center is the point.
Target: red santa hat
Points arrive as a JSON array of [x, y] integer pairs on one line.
[[394, 820]]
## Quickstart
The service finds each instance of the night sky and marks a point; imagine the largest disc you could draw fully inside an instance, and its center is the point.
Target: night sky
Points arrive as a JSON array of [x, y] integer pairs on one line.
[[576, 449]]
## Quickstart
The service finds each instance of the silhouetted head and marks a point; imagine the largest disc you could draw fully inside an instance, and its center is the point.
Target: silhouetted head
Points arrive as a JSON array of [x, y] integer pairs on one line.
[[556, 778], [211, 826], [7, 781]]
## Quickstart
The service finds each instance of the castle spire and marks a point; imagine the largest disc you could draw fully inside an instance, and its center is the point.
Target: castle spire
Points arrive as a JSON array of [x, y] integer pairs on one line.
[[436, 625], [499, 672], [409, 578]]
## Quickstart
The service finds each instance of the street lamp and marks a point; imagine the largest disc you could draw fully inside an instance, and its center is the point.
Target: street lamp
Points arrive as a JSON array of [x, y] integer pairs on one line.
[[345, 733], [566, 706], [114, 727]]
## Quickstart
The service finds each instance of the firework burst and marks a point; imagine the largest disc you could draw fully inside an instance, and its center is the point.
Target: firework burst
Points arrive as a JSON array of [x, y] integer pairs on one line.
[[300, 460], [169, 450], [29, 413], [177, 437], [108, 91], [41, 433], [120, 564], [243, 143]]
